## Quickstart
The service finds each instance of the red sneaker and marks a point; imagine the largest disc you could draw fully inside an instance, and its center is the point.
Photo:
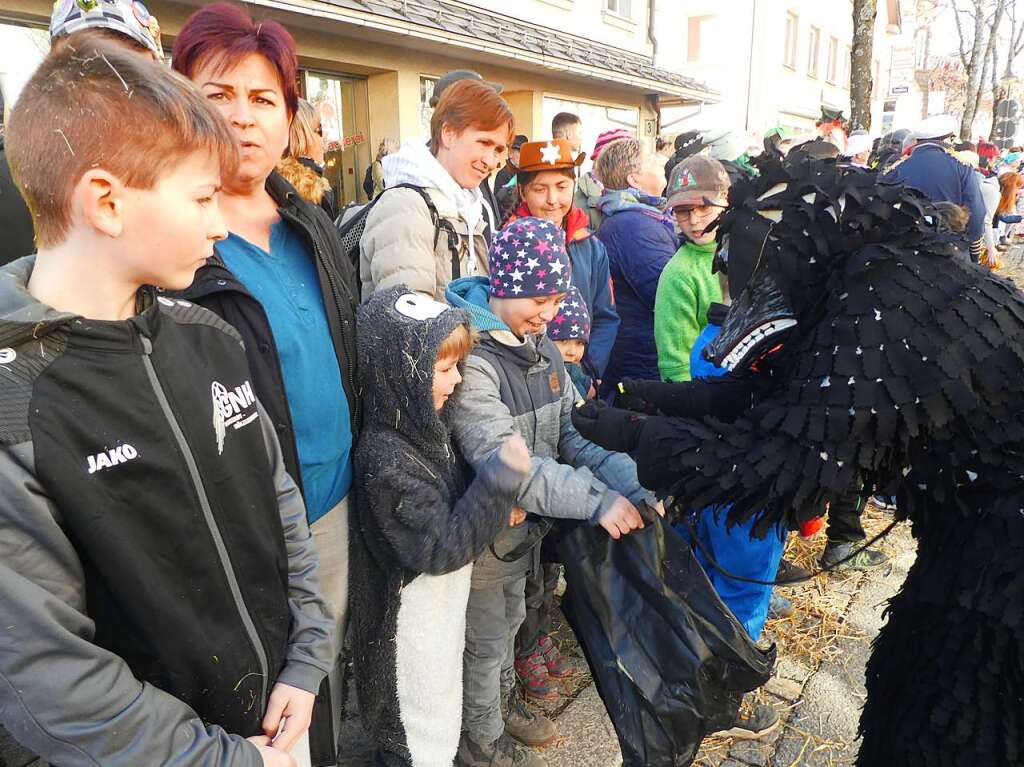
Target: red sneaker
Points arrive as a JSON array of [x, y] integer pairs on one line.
[[557, 665], [535, 678]]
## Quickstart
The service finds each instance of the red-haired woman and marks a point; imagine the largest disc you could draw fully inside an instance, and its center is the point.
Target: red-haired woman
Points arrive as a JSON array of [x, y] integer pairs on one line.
[[470, 131], [281, 280], [1007, 212]]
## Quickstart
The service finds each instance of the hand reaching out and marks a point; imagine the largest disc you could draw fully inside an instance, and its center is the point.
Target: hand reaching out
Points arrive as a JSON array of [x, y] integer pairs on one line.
[[515, 454], [272, 757], [620, 518], [295, 708]]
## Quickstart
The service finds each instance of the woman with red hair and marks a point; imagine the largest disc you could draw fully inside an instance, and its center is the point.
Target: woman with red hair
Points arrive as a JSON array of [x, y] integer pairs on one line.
[[280, 278], [427, 236], [1007, 213]]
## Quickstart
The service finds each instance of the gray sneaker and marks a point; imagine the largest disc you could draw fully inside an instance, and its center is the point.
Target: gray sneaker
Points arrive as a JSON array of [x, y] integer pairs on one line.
[[753, 721], [867, 559], [504, 752], [530, 729]]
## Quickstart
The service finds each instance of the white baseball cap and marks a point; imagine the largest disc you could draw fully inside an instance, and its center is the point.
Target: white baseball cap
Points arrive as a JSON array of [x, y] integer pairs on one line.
[[936, 127]]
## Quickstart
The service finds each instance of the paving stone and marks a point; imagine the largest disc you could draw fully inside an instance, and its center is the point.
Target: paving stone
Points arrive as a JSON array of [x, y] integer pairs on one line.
[[788, 668], [587, 736], [787, 689]]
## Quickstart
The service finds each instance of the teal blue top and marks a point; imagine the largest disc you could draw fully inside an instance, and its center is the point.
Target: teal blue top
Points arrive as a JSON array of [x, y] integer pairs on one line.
[[285, 282]]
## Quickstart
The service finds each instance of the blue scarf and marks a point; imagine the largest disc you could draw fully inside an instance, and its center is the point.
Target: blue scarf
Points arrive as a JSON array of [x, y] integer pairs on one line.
[[617, 200]]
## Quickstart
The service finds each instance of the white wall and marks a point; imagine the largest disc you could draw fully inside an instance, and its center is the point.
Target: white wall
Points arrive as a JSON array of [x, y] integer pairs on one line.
[[741, 54], [583, 18]]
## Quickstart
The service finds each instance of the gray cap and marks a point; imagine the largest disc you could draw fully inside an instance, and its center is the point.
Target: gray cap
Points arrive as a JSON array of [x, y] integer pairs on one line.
[[130, 18], [453, 77]]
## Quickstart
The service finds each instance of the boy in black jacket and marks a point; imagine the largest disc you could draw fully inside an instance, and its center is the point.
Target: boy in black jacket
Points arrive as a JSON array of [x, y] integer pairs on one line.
[[160, 601], [418, 527]]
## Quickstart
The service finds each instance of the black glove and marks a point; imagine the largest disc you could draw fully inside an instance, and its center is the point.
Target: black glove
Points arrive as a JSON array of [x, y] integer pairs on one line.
[[725, 397], [609, 427]]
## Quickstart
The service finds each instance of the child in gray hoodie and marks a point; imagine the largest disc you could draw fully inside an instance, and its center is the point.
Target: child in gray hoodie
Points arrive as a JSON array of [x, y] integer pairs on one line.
[[515, 383]]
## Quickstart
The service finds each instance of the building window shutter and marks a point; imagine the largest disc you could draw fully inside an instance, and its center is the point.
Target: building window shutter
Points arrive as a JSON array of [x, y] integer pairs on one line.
[[789, 56]]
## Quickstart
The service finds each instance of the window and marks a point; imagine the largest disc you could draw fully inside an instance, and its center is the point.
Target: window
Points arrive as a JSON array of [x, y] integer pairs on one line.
[[789, 56], [426, 111], [695, 27], [812, 52], [620, 7], [22, 49], [832, 73]]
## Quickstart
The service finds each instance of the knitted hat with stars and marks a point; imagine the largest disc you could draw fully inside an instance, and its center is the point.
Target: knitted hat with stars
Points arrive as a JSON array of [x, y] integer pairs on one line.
[[572, 323], [528, 259]]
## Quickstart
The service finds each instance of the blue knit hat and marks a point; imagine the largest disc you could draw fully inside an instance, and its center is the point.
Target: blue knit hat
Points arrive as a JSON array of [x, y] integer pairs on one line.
[[528, 259], [572, 323]]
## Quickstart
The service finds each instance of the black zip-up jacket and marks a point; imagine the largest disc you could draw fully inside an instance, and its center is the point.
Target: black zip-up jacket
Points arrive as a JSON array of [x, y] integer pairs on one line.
[[157, 571], [216, 288]]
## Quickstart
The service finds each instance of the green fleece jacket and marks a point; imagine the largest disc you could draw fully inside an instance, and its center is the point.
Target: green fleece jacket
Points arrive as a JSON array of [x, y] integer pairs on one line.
[[686, 289]]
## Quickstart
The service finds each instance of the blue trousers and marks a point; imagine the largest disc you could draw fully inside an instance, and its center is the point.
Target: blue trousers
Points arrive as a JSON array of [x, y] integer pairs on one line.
[[742, 555]]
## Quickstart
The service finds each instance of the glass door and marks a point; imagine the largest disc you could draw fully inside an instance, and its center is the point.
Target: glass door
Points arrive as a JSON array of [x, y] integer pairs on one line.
[[342, 103]]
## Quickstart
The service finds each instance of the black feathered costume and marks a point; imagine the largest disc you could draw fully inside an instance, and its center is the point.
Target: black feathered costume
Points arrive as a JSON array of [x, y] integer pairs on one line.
[[896, 365], [416, 529]]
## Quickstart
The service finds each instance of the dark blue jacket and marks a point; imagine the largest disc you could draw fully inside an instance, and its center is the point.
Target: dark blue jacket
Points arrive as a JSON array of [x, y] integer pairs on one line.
[[591, 276], [943, 178], [639, 245]]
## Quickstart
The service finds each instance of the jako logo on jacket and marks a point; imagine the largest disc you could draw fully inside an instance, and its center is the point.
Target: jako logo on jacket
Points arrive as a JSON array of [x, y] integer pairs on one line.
[[104, 460]]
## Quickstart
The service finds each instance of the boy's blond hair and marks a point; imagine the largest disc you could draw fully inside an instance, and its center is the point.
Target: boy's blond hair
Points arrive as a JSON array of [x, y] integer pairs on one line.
[[94, 104], [457, 345]]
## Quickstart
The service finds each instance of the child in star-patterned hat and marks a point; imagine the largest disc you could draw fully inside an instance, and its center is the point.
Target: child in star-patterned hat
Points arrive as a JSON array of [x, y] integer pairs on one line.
[[528, 259], [570, 330], [514, 382]]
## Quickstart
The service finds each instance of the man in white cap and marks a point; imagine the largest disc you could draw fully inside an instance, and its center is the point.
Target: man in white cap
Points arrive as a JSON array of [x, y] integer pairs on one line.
[[127, 22], [858, 149], [934, 170]]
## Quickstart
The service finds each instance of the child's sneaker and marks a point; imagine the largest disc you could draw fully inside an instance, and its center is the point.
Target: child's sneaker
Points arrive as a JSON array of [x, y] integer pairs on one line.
[[753, 721], [533, 673], [504, 752], [557, 665], [528, 728], [865, 559]]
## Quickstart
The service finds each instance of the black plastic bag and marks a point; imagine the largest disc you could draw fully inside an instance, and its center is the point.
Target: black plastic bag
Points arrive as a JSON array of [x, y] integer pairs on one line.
[[669, 659]]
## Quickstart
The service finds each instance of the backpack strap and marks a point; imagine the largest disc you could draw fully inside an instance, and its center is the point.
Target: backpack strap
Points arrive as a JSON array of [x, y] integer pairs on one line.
[[439, 224]]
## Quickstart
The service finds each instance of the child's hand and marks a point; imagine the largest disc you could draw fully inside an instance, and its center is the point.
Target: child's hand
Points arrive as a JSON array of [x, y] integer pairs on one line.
[[517, 517], [515, 454], [271, 756], [620, 518], [293, 705]]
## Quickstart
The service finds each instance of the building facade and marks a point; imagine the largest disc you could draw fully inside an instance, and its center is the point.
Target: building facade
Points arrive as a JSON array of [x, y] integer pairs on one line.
[[774, 62], [370, 65]]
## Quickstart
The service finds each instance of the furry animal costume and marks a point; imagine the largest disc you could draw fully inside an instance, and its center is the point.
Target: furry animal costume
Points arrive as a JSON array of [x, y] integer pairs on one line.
[[416, 531], [894, 364]]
